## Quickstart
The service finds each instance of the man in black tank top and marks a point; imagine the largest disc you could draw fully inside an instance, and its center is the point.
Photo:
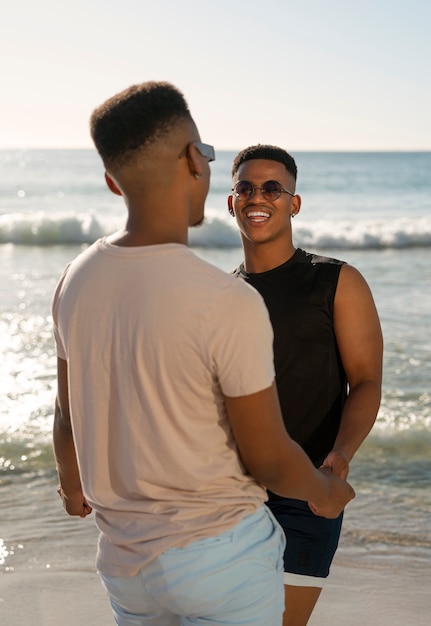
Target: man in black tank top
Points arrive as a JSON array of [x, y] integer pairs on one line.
[[327, 350]]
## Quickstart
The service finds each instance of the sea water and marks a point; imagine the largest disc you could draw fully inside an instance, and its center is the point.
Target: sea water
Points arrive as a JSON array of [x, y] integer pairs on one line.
[[370, 209]]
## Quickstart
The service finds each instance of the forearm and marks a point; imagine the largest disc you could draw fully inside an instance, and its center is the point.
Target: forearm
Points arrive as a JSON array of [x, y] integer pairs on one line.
[[294, 476], [359, 415], [287, 471], [278, 462], [70, 489], [65, 455]]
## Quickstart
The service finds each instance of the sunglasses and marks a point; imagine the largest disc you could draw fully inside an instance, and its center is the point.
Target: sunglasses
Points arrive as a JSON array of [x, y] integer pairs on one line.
[[206, 150], [271, 190]]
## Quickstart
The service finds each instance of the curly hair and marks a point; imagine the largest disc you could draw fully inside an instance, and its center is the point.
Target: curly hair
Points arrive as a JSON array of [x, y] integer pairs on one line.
[[265, 151], [135, 118]]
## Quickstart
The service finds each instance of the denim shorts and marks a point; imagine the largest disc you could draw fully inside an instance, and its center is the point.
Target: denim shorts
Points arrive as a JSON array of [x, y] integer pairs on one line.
[[311, 541], [232, 578]]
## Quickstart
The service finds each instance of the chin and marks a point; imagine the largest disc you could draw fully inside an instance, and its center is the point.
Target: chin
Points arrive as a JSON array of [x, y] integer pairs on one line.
[[199, 222]]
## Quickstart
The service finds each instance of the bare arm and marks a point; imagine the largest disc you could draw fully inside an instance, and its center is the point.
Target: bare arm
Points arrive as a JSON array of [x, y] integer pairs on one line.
[[70, 488], [359, 339], [275, 460]]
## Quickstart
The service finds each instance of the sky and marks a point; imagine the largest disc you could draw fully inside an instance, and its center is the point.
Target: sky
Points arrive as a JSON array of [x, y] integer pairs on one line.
[[302, 74]]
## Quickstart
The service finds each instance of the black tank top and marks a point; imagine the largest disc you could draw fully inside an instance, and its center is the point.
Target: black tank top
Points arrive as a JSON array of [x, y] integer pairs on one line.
[[311, 381]]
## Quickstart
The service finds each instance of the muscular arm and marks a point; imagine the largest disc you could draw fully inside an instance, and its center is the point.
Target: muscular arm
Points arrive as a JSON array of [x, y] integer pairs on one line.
[[275, 460], [70, 488], [359, 339]]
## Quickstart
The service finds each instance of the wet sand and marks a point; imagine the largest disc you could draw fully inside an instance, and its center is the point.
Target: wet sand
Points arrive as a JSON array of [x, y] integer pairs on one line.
[[385, 594]]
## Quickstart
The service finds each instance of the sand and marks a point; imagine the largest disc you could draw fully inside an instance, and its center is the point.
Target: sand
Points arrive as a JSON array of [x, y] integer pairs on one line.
[[354, 596], [382, 595]]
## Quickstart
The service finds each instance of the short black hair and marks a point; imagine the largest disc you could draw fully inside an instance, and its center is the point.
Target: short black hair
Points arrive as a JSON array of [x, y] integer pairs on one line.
[[135, 118], [265, 151]]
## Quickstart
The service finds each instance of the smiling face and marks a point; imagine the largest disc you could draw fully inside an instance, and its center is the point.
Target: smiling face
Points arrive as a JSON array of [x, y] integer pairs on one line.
[[262, 221]]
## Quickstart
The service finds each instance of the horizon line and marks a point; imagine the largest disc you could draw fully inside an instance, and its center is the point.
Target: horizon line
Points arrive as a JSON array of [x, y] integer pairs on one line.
[[333, 150]]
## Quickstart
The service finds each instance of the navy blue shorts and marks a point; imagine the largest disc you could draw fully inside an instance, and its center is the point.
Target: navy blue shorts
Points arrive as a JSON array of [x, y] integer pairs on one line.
[[311, 541]]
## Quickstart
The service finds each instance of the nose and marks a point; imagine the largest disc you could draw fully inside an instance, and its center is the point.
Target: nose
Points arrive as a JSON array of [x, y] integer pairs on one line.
[[253, 193]]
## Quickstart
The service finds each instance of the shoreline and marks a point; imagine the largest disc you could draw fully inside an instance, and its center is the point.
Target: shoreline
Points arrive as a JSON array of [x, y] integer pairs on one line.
[[385, 593]]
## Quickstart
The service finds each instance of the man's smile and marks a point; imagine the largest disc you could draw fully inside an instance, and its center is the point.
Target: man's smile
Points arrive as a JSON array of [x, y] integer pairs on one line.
[[257, 216]]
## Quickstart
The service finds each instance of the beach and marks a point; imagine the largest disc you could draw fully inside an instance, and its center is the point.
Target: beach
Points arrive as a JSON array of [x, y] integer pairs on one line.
[[52, 205], [49, 577], [354, 596]]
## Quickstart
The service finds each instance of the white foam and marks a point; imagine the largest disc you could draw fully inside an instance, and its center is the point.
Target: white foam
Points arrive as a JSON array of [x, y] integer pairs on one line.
[[44, 228]]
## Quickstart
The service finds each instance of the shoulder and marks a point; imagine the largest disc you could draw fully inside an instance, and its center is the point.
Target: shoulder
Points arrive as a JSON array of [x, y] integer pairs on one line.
[[352, 287], [322, 273], [85, 257], [350, 277], [226, 288], [317, 259], [216, 277], [77, 268]]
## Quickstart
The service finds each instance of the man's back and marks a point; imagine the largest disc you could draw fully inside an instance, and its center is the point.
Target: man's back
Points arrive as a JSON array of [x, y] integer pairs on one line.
[[152, 352]]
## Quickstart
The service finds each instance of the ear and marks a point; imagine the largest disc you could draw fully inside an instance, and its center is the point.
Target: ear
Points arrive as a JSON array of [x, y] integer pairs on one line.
[[230, 205], [112, 185], [194, 160], [295, 205]]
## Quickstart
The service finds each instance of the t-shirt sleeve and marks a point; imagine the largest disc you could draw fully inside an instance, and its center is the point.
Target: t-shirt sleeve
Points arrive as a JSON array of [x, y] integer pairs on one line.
[[243, 351]]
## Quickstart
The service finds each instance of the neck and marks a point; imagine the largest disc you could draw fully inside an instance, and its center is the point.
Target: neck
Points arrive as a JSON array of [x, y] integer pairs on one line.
[[143, 232], [154, 219], [264, 257]]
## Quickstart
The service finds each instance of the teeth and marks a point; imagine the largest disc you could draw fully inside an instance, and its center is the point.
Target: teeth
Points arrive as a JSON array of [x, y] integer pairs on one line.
[[257, 214]]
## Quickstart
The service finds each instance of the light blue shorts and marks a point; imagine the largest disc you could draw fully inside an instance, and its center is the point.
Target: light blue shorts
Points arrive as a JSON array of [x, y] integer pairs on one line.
[[232, 578]]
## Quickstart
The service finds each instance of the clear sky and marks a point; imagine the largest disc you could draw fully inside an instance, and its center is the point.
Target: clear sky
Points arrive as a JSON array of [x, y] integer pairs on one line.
[[302, 74]]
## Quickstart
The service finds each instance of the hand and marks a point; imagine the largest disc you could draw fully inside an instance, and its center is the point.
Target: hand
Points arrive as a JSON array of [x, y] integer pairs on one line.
[[340, 493], [75, 504], [337, 462]]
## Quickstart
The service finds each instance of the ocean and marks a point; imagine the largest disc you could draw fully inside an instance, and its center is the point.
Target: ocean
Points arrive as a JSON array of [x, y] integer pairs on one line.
[[370, 209]]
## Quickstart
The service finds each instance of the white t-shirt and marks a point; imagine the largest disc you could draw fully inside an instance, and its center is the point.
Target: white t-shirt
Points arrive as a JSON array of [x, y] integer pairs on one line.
[[154, 337]]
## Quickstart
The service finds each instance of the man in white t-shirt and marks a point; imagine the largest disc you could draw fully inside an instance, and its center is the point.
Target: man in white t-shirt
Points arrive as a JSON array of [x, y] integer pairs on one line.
[[167, 421]]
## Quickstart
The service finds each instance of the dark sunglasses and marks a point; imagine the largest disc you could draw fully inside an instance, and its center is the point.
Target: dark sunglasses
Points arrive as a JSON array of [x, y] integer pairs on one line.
[[271, 190], [206, 150]]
